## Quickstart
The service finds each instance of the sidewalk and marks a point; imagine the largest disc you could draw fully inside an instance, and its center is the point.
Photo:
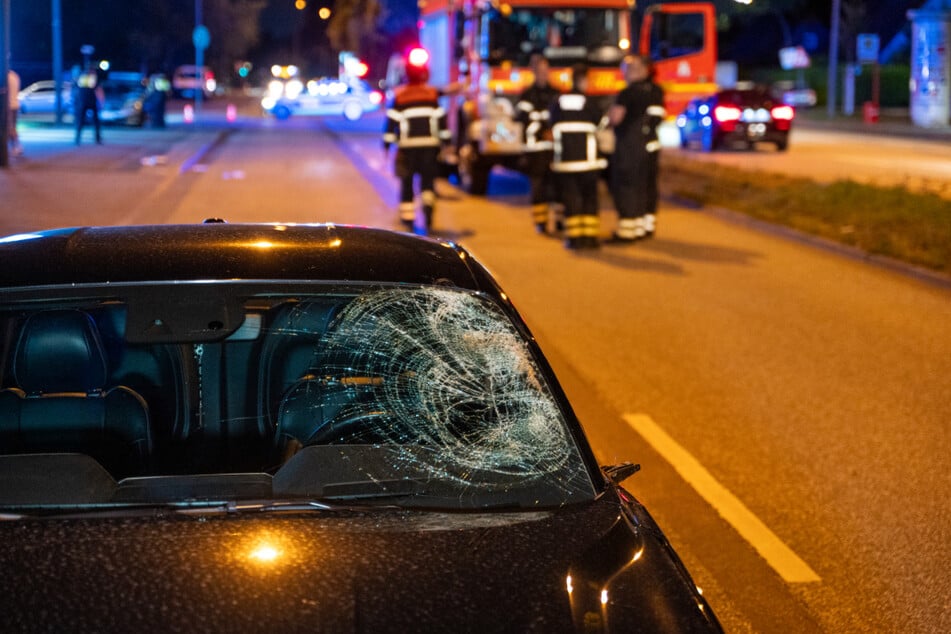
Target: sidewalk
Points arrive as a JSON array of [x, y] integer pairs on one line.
[[891, 122]]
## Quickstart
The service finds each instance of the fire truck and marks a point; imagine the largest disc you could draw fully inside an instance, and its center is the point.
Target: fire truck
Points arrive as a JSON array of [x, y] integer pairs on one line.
[[486, 45], [681, 39]]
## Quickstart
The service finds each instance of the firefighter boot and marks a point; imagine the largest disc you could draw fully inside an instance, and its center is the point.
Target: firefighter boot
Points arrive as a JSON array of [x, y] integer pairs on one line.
[[650, 220], [540, 217], [407, 215]]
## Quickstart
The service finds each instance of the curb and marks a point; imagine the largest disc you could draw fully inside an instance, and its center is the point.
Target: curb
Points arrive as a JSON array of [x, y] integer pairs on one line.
[[853, 253]]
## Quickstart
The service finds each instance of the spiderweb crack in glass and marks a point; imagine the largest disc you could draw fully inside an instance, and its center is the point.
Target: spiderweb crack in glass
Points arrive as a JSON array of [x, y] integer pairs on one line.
[[448, 371]]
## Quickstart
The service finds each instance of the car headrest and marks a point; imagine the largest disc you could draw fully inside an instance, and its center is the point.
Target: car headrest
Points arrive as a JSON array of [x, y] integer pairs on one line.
[[59, 351]]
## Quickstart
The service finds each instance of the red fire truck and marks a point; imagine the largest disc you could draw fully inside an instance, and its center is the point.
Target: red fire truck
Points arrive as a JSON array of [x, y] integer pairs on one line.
[[486, 45], [681, 39]]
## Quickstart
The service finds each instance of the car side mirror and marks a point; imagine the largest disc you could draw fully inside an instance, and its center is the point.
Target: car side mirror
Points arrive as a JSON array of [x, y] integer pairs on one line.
[[620, 472]]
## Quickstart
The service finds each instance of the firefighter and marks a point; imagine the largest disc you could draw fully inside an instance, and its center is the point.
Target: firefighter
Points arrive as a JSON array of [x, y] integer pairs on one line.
[[416, 124], [635, 115], [575, 161], [533, 114]]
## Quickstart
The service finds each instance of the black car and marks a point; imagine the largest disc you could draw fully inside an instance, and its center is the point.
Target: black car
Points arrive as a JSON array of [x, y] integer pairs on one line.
[[222, 427], [736, 117]]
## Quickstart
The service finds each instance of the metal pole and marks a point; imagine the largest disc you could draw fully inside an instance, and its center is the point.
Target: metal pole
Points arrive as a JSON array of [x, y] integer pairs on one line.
[[58, 58], [199, 62], [4, 97], [833, 79]]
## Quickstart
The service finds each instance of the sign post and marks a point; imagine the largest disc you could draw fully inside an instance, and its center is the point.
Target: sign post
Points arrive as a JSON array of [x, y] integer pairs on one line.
[[201, 38], [866, 52]]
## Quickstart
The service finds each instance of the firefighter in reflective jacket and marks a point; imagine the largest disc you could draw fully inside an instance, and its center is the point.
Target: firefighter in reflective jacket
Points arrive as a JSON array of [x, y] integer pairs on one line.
[[576, 163], [635, 115], [416, 124], [532, 113]]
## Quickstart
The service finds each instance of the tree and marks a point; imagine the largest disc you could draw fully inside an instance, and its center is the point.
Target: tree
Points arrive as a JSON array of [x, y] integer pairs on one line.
[[353, 26]]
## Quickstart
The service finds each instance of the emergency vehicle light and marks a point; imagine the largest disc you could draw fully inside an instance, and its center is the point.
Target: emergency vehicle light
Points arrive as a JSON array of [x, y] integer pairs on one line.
[[418, 57]]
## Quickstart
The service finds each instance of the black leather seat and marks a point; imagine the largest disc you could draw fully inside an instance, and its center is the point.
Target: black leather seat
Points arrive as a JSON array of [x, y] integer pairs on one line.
[[61, 401]]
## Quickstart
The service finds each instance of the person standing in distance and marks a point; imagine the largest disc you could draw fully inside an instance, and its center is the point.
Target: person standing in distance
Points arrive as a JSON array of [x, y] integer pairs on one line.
[[575, 163], [532, 113], [416, 124], [635, 115], [88, 97], [13, 111]]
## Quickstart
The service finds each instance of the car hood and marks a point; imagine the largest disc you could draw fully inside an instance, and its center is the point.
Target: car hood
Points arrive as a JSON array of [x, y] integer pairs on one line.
[[353, 571]]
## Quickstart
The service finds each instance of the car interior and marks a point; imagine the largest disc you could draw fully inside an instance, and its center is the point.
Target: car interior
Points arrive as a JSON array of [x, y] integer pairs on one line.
[[239, 389]]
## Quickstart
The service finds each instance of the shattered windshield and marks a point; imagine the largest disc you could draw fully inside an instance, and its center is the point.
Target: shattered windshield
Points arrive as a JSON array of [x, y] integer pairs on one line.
[[564, 36], [185, 393]]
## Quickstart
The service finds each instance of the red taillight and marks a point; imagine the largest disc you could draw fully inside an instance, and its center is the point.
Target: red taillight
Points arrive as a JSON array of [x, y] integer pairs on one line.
[[725, 114], [783, 113]]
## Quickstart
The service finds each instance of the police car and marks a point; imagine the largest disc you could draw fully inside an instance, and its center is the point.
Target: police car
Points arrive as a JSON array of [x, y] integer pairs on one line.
[[351, 98]]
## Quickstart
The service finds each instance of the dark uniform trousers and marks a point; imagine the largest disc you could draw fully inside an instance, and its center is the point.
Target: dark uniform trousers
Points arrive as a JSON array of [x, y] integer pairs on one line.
[[577, 166], [417, 125], [532, 110]]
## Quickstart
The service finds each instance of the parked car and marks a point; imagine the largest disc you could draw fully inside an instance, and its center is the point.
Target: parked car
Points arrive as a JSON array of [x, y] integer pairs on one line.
[[187, 80], [327, 96], [124, 98], [40, 97], [736, 117], [265, 428]]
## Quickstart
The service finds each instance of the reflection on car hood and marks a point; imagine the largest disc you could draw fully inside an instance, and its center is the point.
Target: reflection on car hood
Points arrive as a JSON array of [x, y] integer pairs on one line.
[[355, 571]]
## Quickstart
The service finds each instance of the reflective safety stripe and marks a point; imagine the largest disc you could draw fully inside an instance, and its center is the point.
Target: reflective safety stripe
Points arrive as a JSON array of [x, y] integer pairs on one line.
[[656, 111], [630, 228], [423, 141], [389, 138], [525, 106], [579, 166], [429, 197], [433, 114], [591, 162], [540, 116], [571, 102], [574, 226], [540, 213], [649, 221], [590, 225], [407, 212], [652, 146]]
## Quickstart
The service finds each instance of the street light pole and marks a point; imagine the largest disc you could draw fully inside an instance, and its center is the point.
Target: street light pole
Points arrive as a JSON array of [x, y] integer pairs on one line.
[[58, 58], [4, 85], [833, 58], [199, 62]]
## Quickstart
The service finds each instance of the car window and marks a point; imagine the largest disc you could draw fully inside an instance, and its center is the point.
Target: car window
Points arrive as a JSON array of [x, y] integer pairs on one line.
[[430, 394]]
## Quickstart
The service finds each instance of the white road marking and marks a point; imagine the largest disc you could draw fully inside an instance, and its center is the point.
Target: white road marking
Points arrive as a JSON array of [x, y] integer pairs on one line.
[[777, 554]]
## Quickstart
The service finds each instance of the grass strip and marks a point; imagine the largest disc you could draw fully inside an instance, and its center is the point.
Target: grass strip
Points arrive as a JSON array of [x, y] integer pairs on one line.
[[888, 221]]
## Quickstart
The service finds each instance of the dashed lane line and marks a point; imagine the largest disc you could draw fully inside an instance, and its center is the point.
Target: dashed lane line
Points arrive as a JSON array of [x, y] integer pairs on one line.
[[777, 554]]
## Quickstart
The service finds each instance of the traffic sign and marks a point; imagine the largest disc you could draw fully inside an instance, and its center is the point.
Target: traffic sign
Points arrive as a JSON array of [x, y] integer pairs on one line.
[[201, 38], [866, 48]]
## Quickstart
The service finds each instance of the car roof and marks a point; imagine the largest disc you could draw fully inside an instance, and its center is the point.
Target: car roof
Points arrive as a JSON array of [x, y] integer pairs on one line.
[[225, 251]]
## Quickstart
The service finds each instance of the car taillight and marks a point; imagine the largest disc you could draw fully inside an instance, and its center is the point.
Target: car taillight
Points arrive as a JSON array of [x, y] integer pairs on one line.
[[725, 114], [783, 113]]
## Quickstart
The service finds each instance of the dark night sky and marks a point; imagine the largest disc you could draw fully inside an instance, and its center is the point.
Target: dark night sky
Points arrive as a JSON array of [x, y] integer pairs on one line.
[[106, 23]]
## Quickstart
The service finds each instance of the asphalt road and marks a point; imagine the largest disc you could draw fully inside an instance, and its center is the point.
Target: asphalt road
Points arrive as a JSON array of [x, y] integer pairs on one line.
[[811, 389]]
